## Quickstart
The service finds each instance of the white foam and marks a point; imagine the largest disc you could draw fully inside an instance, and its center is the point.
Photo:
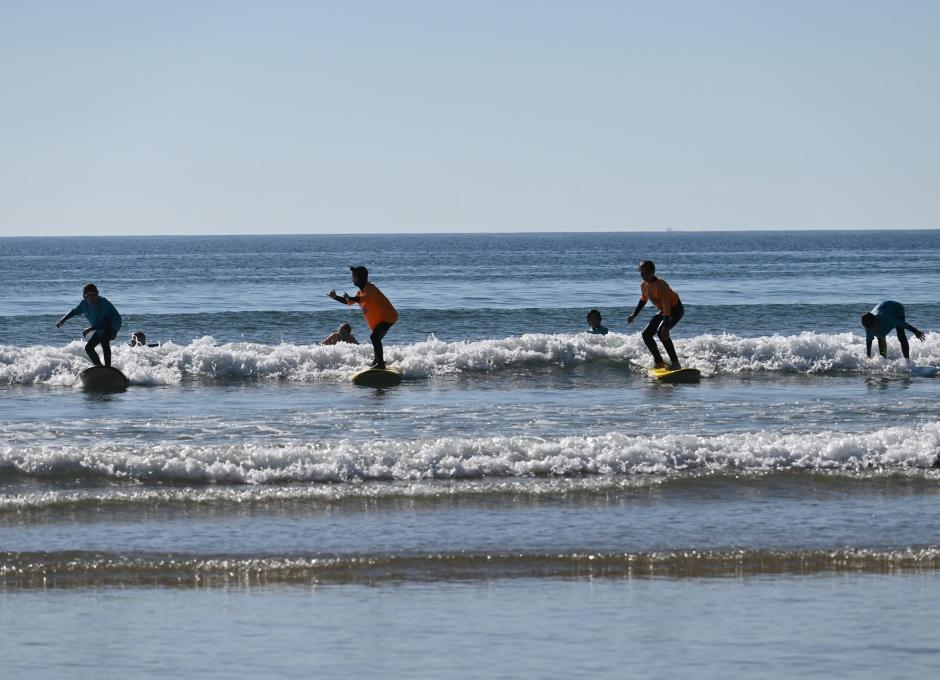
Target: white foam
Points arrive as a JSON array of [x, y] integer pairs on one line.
[[204, 358], [884, 451]]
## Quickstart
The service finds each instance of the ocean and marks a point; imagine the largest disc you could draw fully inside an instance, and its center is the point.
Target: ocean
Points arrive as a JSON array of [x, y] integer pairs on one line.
[[526, 503]]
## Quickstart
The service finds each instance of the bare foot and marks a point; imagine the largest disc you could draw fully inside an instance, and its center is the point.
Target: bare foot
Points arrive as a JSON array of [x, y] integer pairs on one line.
[[675, 367]]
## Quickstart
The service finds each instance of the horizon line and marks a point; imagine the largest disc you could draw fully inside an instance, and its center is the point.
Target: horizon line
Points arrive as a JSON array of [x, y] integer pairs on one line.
[[663, 230]]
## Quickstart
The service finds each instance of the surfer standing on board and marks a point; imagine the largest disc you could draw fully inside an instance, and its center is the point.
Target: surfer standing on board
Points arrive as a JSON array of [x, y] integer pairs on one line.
[[884, 318], [377, 310], [670, 313], [104, 319]]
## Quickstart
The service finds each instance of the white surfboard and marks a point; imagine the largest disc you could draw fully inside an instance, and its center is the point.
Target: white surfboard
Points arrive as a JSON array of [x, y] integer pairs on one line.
[[925, 371]]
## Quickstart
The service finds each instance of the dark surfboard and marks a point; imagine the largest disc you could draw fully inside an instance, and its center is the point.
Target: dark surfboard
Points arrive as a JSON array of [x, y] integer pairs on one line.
[[103, 379]]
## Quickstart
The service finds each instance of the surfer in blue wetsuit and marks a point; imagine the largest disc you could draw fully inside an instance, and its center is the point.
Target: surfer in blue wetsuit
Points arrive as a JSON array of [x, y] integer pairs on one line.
[[888, 316], [104, 319], [594, 321]]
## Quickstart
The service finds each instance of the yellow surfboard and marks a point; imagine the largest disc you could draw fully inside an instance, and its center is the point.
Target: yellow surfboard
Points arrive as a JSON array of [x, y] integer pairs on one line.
[[683, 375], [377, 377]]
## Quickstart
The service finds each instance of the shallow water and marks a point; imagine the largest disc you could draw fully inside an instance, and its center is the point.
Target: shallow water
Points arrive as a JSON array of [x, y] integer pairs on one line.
[[843, 625]]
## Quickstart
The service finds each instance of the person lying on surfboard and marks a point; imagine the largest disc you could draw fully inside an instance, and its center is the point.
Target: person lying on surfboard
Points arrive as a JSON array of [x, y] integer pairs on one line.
[[104, 319], [342, 334], [377, 310], [594, 321], [670, 313], [888, 316]]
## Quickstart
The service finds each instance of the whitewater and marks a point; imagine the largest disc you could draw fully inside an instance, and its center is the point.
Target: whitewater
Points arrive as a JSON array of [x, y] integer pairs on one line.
[[206, 358]]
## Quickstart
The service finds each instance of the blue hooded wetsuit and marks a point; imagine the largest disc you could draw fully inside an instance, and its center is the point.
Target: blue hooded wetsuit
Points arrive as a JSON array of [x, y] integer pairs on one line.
[[103, 316], [889, 315]]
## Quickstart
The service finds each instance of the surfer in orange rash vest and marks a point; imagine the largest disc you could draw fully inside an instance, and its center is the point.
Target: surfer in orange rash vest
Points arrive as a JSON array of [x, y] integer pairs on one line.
[[377, 310], [670, 313]]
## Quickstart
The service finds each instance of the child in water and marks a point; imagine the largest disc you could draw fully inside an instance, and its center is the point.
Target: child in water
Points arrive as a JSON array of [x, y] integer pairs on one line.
[[342, 334], [594, 321], [139, 339], [377, 310], [104, 319], [670, 313], [888, 316]]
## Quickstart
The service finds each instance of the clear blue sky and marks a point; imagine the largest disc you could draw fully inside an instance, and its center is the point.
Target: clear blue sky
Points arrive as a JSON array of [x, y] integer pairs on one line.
[[331, 117]]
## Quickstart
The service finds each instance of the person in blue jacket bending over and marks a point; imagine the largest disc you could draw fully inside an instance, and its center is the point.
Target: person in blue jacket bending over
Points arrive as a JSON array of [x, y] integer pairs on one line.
[[104, 319], [884, 318]]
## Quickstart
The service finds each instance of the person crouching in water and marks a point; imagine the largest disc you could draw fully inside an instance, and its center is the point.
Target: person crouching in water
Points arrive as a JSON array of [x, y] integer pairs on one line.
[[670, 313], [884, 318], [377, 310], [104, 319], [342, 334]]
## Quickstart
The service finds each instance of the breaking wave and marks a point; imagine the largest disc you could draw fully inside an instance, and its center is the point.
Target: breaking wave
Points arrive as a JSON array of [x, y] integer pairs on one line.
[[889, 451], [206, 359]]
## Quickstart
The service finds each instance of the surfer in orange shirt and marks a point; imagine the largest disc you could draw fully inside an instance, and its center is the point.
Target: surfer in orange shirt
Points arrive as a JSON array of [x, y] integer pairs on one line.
[[378, 311], [670, 312]]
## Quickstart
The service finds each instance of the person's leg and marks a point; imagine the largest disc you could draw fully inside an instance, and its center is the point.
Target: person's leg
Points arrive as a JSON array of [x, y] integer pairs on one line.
[[90, 349], [648, 337], [666, 339], [106, 351], [377, 334], [905, 345]]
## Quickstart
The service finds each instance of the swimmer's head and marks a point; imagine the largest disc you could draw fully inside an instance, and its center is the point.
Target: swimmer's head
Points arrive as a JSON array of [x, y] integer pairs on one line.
[[868, 320]]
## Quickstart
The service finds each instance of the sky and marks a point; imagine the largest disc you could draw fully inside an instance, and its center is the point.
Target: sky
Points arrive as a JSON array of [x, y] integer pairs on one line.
[[229, 117]]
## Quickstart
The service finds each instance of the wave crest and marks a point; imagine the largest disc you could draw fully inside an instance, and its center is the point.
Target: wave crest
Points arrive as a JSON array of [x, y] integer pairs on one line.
[[882, 452], [204, 358]]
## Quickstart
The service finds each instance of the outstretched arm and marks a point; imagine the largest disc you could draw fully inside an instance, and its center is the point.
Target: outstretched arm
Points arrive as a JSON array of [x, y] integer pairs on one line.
[[868, 338], [345, 299], [917, 334], [58, 324], [639, 307]]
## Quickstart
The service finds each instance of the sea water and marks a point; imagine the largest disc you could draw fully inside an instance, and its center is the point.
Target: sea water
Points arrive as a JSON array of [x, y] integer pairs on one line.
[[526, 503]]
